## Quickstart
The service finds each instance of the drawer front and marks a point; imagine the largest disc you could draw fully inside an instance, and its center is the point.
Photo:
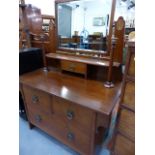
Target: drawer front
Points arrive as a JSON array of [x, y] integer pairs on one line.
[[126, 124], [39, 119], [129, 95], [70, 135], [73, 66], [131, 70], [123, 146], [73, 114], [36, 99], [58, 128], [78, 139], [51, 124]]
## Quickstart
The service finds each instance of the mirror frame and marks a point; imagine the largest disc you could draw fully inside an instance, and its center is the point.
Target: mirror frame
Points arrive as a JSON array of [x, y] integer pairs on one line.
[[109, 37]]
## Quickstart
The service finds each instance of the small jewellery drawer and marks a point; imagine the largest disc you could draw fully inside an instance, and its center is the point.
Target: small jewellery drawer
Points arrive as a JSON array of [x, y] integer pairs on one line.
[[131, 70], [73, 113], [74, 66], [36, 99], [126, 124], [123, 146], [129, 95]]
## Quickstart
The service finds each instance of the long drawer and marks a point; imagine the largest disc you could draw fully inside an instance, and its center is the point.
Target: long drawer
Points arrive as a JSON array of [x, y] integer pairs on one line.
[[126, 124], [73, 66], [57, 127], [73, 114], [123, 146], [68, 111], [129, 95], [36, 99]]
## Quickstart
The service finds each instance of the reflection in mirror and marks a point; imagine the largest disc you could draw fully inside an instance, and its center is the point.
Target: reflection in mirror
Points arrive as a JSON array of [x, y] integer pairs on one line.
[[83, 24]]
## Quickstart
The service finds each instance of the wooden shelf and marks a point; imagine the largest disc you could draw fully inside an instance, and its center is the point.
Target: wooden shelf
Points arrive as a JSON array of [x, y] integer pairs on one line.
[[91, 61]]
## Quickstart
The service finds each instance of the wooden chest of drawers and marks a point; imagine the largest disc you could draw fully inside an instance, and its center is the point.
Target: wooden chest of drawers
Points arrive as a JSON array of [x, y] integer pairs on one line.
[[125, 132], [64, 107], [75, 67], [68, 122]]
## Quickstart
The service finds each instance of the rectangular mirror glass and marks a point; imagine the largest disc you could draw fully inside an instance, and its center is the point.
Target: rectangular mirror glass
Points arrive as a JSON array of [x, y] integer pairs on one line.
[[83, 24]]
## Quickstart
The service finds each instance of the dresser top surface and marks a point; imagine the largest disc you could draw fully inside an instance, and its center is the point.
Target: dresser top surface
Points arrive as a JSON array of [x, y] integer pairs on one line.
[[87, 93]]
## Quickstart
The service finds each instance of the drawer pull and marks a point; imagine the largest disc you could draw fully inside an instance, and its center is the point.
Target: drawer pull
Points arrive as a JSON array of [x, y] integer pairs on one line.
[[72, 67], [70, 115], [35, 99], [38, 118], [70, 136]]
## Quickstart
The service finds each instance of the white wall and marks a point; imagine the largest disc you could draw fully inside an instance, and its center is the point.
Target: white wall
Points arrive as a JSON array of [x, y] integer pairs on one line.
[[46, 6], [121, 10], [103, 8], [77, 20], [94, 9]]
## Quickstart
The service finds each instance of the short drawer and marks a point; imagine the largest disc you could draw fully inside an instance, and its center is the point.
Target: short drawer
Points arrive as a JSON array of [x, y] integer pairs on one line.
[[71, 135], [49, 123], [36, 99], [73, 66], [126, 124], [73, 113], [129, 95], [39, 118], [78, 140], [131, 70], [123, 146]]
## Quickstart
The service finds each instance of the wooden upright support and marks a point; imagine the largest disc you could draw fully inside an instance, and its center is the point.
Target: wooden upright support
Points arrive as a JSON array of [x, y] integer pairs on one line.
[[25, 30], [109, 83], [111, 25]]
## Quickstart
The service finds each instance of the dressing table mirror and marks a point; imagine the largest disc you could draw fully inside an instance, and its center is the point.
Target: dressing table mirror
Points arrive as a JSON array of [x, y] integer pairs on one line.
[[83, 24], [83, 27], [84, 30]]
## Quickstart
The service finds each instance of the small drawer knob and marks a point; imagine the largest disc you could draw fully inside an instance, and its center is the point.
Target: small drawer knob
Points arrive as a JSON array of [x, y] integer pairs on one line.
[[70, 115], [72, 67], [70, 136], [35, 99], [38, 118]]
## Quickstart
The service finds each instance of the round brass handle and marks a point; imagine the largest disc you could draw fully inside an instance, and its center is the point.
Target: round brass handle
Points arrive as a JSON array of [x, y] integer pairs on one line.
[[38, 118], [70, 115], [70, 136], [35, 99]]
